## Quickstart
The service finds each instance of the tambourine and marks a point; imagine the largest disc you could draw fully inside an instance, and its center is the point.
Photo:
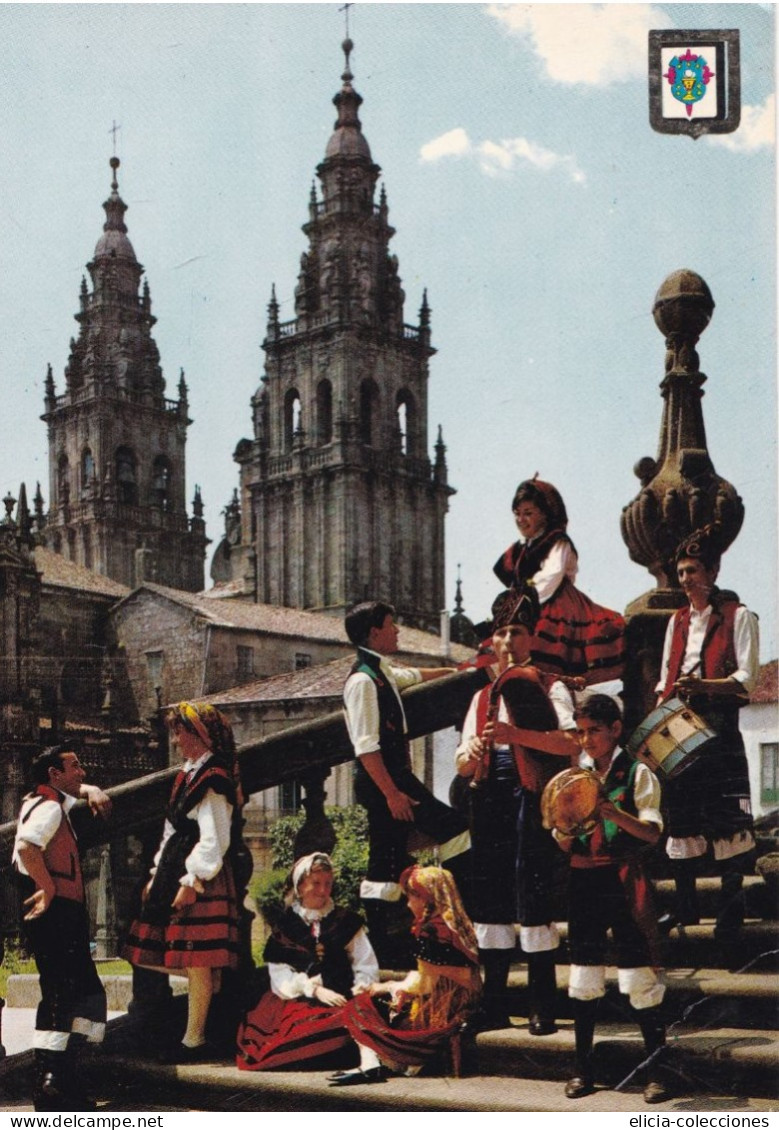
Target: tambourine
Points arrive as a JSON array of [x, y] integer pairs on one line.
[[570, 801]]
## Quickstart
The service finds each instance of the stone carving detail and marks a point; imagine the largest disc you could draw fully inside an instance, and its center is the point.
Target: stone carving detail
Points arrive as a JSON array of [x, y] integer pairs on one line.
[[681, 491]]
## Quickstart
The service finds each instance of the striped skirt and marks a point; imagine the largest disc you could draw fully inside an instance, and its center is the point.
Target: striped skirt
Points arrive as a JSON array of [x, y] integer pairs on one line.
[[278, 1033], [204, 934], [575, 636]]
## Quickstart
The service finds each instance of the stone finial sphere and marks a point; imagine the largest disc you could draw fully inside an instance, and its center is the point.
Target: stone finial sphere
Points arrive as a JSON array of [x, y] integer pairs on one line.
[[683, 304]]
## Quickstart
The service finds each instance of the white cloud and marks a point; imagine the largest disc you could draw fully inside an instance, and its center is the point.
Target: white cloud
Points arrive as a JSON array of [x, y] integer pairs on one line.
[[595, 44], [756, 131], [455, 143], [503, 156], [496, 157]]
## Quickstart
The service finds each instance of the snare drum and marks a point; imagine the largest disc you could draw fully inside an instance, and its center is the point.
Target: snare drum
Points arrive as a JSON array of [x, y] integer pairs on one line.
[[670, 738], [569, 802]]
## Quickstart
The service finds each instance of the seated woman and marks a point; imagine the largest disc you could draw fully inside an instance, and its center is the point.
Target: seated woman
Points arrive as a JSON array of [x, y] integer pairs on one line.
[[189, 915], [429, 1007], [317, 956], [574, 636]]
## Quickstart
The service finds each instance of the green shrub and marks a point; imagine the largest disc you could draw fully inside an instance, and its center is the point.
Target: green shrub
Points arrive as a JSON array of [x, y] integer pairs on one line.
[[350, 859]]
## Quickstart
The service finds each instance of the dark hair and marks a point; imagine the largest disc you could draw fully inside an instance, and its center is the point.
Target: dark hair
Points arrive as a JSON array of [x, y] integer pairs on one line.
[[546, 497], [49, 758], [599, 708], [360, 618]]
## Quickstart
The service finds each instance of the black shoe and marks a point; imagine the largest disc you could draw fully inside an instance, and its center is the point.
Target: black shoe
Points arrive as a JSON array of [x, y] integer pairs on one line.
[[656, 1092], [357, 1076], [578, 1087], [541, 1026]]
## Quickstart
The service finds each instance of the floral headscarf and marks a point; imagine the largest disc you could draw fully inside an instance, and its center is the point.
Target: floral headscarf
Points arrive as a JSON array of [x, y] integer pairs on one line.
[[437, 887], [213, 729]]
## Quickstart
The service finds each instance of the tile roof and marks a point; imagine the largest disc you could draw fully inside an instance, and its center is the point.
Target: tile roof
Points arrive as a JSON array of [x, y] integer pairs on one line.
[[324, 680], [291, 622], [61, 573]]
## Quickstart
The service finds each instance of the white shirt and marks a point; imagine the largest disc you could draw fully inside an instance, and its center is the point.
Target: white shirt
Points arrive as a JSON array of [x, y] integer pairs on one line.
[[40, 826], [646, 790], [289, 984], [214, 818], [361, 702], [560, 562], [745, 645], [558, 695]]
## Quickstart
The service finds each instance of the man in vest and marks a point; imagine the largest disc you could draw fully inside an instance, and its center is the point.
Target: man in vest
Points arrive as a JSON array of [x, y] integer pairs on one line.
[[56, 925], [396, 801], [608, 890], [710, 659], [522, 714]]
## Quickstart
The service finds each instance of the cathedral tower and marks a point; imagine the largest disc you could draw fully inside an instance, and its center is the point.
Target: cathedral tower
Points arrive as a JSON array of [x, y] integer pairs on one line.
[[116, 444], [339, 498]]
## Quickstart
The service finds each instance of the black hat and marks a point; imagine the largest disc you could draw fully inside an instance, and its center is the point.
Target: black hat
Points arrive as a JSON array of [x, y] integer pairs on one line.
[[518, 605], [703, 545]]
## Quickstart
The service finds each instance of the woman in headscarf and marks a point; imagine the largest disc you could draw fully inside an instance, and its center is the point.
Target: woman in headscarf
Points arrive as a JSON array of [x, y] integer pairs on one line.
[[317, 956], [188, 921], [428, 1009], [574, 636]]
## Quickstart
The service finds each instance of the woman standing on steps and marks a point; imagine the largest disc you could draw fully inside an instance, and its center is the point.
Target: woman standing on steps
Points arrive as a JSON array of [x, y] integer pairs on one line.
[[189, 914]]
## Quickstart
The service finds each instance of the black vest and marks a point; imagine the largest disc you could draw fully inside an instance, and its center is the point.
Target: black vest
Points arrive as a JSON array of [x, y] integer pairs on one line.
[[392, 721]]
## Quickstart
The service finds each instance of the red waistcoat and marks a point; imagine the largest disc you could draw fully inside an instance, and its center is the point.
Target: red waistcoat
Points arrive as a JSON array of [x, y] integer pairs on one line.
[[61, 853], [718, 654]]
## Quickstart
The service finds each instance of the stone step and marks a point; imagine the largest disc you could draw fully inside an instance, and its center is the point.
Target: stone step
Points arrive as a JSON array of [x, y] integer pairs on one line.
[[697, 1058], [759, 899], [220, 1086], [757, 948], [714, 997]]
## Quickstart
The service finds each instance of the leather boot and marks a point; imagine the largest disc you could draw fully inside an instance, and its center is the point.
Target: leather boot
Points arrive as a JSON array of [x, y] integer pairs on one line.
[[652, 1025], [583, 1081], [542, 990], [494, 1008]]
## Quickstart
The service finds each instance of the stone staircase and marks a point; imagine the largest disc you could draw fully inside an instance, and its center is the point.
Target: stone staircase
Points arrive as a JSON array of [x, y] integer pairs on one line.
[[723, 1039]]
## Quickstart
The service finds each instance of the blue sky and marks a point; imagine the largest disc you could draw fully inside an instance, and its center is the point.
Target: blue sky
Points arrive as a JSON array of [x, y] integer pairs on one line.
[[530, 197]]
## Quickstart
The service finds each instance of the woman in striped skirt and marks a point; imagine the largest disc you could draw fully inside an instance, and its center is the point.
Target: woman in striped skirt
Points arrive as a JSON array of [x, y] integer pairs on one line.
[[575, 637], [189, 915]]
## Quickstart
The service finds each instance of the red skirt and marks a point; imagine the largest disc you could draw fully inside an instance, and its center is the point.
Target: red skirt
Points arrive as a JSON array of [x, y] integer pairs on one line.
[[204, 934], [406, 1044], [575, 636], [278, 1033]]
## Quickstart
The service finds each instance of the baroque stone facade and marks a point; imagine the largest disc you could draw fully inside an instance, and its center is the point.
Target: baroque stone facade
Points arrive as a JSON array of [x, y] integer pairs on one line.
[[116, 444], [339, 499]]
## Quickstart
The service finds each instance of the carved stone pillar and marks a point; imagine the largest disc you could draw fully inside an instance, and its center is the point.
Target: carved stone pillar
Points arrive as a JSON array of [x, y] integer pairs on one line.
[[680, 489]]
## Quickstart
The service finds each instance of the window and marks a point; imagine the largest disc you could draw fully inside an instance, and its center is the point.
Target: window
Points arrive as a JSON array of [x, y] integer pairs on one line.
[[63, 480], [293, 422], [302, 660], [405, 408], [87, 471], [154, 669], [769, 772], [160, 483], [289, 796], [244, 662], [126, 480]]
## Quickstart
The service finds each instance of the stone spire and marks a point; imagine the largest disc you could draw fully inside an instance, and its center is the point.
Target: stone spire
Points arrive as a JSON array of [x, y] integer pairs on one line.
[[680, 489], [116, 444]]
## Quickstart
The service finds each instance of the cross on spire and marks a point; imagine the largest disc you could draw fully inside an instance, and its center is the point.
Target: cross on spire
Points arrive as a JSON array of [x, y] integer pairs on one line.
[[345, 10], [114, 130]]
